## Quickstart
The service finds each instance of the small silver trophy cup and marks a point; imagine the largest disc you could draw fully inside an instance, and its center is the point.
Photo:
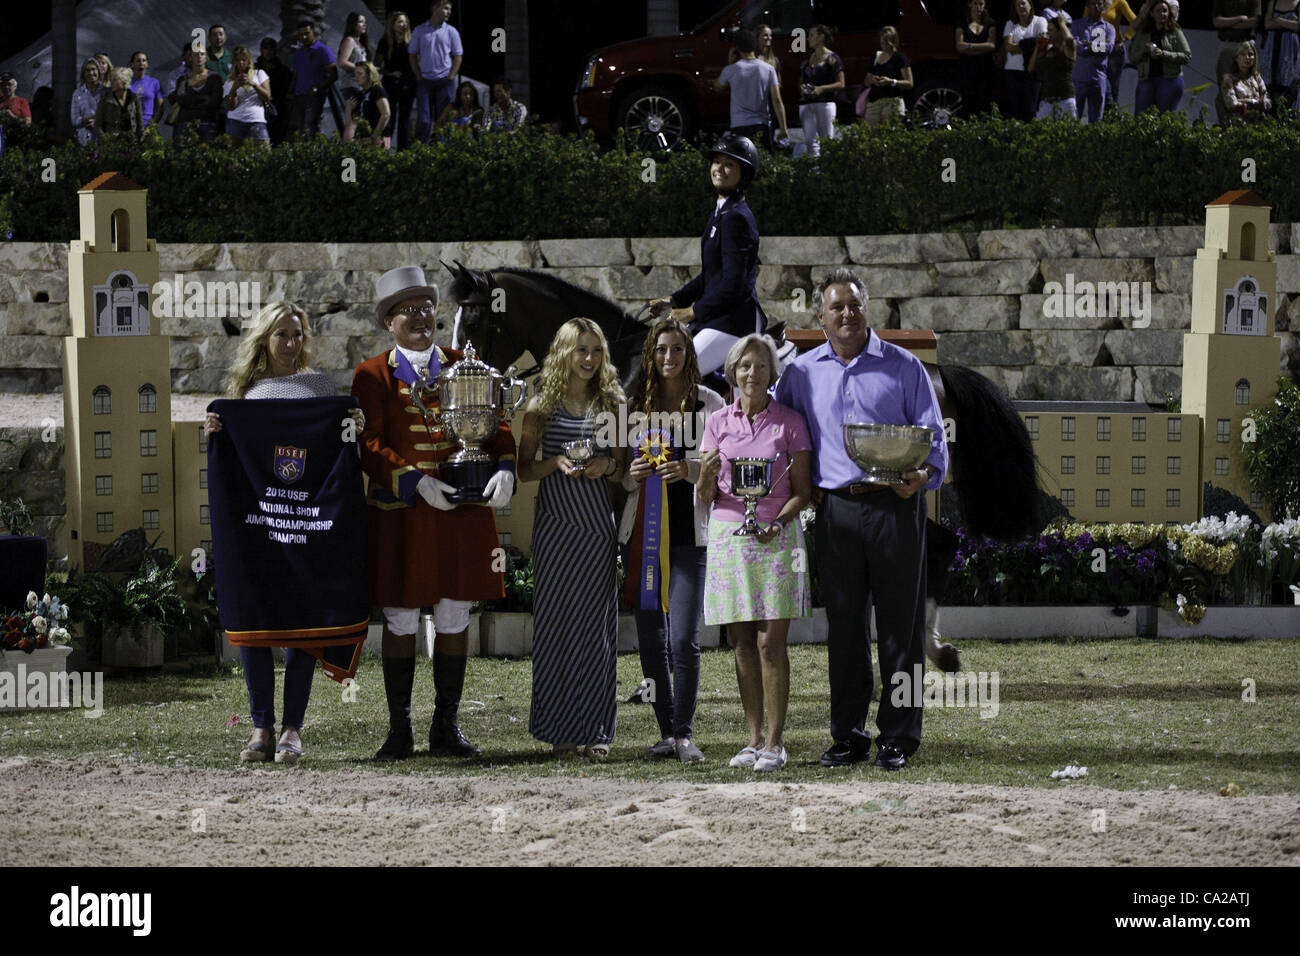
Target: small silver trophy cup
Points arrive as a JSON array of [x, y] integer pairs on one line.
[[579, 452], [751, 479], [472, 398]]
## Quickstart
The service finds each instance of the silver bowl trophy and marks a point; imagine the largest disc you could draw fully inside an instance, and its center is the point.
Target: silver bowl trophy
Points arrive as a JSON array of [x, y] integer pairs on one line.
[[884, 452], [579, 452], [471, 399]]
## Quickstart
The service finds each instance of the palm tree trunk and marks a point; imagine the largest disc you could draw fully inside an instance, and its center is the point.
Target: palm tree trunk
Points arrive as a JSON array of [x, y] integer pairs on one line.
[[63, 65]]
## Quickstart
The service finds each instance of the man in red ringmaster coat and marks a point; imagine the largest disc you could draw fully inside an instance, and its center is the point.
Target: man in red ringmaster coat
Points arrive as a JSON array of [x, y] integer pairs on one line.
[[420, 548]]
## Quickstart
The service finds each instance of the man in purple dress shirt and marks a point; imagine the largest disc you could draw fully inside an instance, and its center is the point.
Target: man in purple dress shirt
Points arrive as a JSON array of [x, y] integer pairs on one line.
[[869, 538], [314, 69], [436, 54], [1095, 42]]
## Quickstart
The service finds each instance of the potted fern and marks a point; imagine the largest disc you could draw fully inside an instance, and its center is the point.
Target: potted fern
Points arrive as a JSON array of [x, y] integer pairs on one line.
[[132, 615]]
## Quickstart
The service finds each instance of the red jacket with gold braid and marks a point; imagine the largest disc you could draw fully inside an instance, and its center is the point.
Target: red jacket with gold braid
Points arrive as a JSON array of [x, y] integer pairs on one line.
[[416, 554]]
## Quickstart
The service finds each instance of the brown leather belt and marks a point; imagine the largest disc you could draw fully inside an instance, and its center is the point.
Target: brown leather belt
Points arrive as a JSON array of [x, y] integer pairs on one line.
[[858, 488]]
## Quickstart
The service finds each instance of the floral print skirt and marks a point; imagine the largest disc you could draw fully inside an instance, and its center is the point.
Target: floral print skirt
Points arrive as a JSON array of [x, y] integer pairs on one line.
[[747, 580]]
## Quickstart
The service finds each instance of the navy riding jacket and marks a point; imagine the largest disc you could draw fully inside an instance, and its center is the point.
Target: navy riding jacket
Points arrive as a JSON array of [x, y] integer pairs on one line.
[[723, 293]]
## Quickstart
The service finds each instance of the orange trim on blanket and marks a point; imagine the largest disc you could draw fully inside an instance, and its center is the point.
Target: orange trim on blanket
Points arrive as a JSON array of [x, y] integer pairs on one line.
[[335, 673], [325, 636], [314, 647]]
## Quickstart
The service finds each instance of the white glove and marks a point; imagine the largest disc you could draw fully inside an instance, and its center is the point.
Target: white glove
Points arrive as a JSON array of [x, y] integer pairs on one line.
[[433, 491], [499, 489]]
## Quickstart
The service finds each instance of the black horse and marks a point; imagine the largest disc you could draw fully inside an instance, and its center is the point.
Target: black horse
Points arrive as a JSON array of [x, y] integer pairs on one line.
[[506, 312]]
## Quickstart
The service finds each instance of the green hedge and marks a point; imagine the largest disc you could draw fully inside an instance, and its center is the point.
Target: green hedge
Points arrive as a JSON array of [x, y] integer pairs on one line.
[[1125, 171]]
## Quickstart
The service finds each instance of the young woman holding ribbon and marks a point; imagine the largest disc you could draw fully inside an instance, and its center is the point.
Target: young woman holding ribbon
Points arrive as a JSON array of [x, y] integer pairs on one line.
[[756, 584], [575, 594], [667, 527]]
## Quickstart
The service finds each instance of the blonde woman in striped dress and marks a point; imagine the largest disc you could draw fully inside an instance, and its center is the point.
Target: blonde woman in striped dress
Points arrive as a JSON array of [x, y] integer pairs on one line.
[[575, 609]]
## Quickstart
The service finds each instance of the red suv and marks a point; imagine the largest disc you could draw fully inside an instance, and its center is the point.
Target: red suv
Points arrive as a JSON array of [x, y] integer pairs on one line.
[[660, 89]]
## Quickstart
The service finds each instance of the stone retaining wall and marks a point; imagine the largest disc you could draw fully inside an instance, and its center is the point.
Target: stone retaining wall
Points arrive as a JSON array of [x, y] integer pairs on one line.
[[982, 292], [32, 469]]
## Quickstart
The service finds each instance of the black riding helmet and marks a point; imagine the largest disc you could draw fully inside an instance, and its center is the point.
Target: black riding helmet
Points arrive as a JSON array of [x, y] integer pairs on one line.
[[742, 150]]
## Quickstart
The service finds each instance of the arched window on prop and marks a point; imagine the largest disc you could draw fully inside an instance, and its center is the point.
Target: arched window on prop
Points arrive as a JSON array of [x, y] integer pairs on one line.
[[1242, 395], [148, 398], [101, 400], [1248, 240], [119, 230], [122, 305], [1245, 310]]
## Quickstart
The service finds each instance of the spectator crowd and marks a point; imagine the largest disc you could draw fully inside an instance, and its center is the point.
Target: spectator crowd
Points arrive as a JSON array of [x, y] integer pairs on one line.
[[1036, 64], [1050, 64], [408, 87], [399, 90]]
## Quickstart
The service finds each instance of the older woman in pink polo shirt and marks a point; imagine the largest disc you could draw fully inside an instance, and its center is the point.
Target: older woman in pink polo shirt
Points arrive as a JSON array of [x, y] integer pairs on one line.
[[757, 584]]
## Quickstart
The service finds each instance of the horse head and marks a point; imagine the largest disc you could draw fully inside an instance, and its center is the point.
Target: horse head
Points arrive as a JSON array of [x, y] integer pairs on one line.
[[471, 290], [468, 285]]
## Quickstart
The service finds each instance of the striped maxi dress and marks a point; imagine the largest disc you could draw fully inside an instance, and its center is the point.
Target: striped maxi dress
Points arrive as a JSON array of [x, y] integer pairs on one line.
[[575, 609]]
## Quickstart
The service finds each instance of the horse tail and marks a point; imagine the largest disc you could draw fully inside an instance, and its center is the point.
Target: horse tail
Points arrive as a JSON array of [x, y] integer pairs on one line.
[[992, 459]]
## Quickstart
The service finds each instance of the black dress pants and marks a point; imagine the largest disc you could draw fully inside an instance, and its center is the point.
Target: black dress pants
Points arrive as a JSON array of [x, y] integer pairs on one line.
[[870, 550]]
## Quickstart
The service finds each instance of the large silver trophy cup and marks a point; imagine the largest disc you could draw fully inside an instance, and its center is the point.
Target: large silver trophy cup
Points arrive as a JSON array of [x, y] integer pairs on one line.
[[471, 399], [884, 452]]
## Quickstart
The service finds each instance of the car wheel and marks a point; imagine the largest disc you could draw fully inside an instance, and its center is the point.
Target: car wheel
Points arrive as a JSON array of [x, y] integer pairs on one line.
[[654, 118], [936, 107]]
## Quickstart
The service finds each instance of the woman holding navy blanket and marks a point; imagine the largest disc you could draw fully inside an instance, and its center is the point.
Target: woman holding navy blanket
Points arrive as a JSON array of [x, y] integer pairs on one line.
[[274, 362]]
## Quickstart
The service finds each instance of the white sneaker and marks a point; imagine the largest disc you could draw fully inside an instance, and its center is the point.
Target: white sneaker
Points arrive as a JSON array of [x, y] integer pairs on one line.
[[770, 760], [745, 758]]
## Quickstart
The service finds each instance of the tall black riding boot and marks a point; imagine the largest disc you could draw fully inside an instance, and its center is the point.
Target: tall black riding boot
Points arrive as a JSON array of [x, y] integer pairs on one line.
[[445, 738], [399, 679]]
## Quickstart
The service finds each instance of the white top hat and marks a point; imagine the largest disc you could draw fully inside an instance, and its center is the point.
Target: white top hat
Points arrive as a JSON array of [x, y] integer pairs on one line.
[[404, 282]]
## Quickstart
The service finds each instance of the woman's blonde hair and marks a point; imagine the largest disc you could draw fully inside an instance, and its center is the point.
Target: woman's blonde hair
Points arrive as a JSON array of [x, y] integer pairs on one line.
[[371, 70], [1247, 45], [391, 30], [122, 73], [245, 53], [555, 370], [250, 363]]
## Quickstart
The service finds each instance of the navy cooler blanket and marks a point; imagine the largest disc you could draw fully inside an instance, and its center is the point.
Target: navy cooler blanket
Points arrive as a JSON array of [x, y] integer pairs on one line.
[[289, 528]]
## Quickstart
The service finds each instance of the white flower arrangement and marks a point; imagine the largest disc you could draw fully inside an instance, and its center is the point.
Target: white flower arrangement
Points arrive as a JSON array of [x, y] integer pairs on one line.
[[1234, 527], [35, 627], [1277, 536]]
